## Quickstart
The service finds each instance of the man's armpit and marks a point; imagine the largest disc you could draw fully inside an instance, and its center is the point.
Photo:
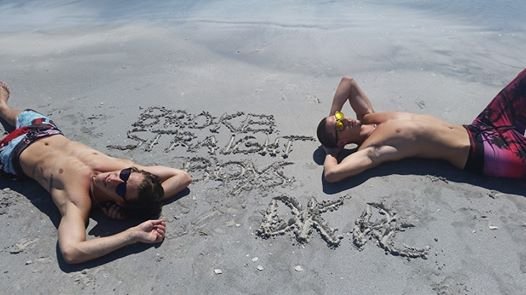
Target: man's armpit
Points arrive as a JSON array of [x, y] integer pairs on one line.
[[383, 153]]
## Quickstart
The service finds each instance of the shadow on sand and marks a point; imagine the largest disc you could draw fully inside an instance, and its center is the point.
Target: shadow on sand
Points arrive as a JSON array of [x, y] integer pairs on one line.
[[420, 167], [104, 226]]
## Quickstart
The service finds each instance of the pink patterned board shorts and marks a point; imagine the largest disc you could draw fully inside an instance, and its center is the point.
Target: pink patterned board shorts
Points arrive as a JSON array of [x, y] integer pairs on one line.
[[498, 144]]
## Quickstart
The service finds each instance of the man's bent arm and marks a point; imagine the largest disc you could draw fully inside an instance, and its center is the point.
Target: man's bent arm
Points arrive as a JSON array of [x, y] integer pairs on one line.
[[351, 165], [349, 90], [173, 180], [75, 248], [357, 162]]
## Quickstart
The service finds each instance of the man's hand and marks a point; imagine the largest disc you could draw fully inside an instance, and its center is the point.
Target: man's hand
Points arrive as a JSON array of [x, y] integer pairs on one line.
[[172, 180], [331, 151], [112, 210], [151, 231]]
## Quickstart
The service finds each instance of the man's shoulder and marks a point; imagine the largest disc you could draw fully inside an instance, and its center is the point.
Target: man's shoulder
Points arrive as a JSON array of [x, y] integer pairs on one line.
[[382, 117], [71, 196]]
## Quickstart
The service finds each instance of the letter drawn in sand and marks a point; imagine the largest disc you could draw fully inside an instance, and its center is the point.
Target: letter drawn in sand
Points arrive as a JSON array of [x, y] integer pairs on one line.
[[177, 128], [258, 123], [303, 220], [383, 230], [231, 135], [238, 175]]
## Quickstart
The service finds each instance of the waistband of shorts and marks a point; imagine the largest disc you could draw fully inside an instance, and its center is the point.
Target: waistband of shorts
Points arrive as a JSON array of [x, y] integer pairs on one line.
[[475, 162], [29, 139]]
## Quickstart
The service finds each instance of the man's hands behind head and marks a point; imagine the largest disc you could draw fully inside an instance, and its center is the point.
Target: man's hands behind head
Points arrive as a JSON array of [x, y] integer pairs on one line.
[[331, 151]]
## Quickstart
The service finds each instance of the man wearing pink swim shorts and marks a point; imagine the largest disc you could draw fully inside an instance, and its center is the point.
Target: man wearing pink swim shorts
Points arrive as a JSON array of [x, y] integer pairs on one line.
[[494, 144]]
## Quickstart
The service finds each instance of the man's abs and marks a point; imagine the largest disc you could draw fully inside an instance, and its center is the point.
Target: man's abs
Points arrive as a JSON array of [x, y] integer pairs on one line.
[[424, 137], [52, 160]]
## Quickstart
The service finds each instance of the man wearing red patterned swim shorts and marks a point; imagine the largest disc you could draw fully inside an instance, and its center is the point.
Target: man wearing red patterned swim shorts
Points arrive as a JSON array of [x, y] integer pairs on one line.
[[493, 144]]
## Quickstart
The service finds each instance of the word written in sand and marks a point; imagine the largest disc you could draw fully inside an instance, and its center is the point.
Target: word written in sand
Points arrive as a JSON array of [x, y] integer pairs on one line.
[[177, 128], [161, 118], [383, 230], [242, 175], [303, 220]]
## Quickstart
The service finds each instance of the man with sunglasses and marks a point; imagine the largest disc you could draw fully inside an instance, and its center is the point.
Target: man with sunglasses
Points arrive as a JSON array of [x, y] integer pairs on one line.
[[80, 178], [493, 144]]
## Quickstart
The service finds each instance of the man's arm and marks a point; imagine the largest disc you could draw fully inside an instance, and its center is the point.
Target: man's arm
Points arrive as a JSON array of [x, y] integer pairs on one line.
[[76, 249], [173, 180], [357, 162], [349, 90]]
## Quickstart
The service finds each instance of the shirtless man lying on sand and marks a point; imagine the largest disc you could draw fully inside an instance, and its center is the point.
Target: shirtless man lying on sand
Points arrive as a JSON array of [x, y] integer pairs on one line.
[[493, 144], [79, 178]]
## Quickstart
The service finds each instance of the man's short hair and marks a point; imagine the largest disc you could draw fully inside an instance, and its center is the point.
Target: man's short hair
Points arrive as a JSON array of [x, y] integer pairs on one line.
[[148, 204], [326, 138]]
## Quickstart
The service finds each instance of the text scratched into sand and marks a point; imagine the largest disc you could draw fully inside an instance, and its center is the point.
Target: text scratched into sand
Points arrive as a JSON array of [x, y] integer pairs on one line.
[[239, 175], [375, 223], [230, 134], [248, 133], [302, 222], [255, 135]]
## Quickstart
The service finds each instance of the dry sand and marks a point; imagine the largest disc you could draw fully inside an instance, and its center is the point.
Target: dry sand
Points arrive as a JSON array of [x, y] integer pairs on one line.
[[241, 89]]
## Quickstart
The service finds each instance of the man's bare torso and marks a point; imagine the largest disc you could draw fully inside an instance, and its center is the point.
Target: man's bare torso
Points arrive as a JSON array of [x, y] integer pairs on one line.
[[414, 135], [65, 167]]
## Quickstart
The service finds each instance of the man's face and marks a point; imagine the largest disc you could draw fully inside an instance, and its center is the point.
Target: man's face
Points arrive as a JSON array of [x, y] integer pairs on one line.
[[343, 129], [122, 185]]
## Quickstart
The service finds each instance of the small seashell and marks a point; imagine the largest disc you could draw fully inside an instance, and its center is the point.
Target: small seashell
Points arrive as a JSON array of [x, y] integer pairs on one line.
[[493, 227], [298, 268], [260, 268], [218, 271]]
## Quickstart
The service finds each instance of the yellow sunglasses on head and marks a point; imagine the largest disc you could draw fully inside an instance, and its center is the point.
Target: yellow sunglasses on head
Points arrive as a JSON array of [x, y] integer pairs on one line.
[[339, 125]]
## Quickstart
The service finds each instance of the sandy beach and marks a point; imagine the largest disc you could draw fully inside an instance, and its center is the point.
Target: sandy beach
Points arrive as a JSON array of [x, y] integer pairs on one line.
[[232, 92]]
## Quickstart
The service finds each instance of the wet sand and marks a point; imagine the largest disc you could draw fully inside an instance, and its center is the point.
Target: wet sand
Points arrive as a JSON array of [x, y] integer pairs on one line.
[[235, 98]]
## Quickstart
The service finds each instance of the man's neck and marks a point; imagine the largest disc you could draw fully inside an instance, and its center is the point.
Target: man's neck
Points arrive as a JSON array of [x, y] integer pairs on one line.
[[366, 130], [93, 193], [97, 196]]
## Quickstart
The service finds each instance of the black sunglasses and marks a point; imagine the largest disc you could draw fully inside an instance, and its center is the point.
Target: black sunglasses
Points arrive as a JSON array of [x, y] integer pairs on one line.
[[121, 187]]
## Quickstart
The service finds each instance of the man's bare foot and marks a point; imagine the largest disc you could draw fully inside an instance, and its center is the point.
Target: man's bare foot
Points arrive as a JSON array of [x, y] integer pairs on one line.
[[4, 92]]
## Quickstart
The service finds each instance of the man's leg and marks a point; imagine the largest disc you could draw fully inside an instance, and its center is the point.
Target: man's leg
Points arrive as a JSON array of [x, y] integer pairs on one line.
[[500, 128], [508, 108], [515, 96], [7, 113]]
